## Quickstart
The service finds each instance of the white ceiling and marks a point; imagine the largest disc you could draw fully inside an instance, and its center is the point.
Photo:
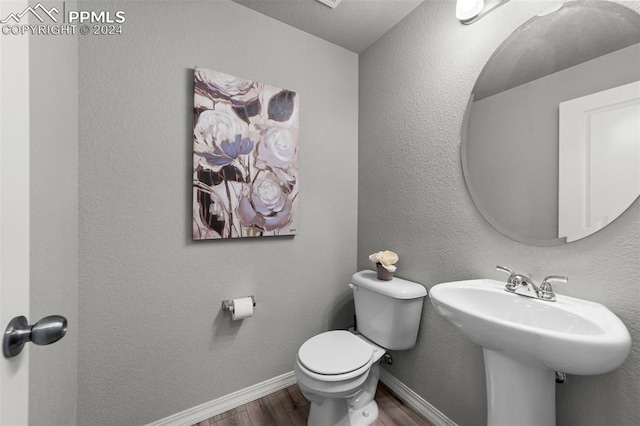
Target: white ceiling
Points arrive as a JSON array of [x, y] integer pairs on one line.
[[353, 24]]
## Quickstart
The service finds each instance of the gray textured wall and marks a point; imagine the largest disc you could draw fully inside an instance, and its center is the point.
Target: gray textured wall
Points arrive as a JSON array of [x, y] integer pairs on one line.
[[414, 87], [53, 93], [153, 339]]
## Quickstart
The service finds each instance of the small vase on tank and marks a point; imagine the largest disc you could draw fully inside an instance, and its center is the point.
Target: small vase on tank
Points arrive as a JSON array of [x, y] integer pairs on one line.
[[385, 264], [383, 274]]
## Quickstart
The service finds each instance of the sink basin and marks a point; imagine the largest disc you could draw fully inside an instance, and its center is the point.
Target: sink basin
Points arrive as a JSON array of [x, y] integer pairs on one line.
[[525, 341], [570, 335]]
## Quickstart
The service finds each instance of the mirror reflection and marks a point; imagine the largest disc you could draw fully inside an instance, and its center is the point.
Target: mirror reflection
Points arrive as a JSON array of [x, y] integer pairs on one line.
[[551, 138]]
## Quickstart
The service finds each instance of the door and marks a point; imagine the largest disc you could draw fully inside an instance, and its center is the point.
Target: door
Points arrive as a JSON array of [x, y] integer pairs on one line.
[[599, 159], [14, 213]]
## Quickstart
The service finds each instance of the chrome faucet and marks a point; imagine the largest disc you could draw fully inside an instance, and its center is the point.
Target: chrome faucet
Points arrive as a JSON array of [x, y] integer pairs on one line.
[[524, 285]]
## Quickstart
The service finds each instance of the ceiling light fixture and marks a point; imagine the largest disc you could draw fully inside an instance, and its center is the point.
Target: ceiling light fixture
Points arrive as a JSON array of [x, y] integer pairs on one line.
[[469, 11], [331, 3]]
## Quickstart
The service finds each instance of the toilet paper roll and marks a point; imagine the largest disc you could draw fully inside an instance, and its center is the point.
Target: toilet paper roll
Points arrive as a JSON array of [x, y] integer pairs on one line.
[[242, 308]]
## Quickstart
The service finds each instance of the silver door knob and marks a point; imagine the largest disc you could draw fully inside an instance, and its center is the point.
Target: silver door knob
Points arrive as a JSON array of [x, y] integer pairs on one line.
[[46, 331]]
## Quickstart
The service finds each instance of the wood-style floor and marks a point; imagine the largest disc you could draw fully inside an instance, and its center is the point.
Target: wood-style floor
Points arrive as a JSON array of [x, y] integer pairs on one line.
[[288, 407]]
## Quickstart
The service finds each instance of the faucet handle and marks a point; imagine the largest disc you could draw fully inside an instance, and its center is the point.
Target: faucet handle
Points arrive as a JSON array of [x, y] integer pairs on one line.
[[546, 291], [505, 269], [558, 278], [511, 286]]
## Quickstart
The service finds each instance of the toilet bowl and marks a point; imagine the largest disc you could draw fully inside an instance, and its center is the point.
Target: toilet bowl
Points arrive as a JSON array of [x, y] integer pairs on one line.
[[338, 372]]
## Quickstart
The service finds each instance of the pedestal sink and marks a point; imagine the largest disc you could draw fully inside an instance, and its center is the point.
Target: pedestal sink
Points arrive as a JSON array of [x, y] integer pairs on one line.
[[525, 341]]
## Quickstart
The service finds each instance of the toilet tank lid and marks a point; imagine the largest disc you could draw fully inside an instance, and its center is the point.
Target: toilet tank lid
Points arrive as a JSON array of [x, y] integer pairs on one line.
[[397, 288]]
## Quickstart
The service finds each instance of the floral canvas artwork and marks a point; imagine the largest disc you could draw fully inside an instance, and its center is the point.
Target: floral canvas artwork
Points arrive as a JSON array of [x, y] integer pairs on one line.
[[245, 158]]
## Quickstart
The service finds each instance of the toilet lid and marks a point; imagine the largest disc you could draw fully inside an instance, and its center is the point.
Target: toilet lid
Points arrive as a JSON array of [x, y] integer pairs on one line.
[[334, 352]]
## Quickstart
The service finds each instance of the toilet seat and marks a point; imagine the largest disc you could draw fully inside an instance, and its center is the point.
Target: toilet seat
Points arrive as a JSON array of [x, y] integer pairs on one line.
[[335, 353]]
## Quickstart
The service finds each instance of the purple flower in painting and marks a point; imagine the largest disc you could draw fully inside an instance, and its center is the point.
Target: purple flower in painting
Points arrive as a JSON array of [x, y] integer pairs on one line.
[[226, 152], [265, 206]]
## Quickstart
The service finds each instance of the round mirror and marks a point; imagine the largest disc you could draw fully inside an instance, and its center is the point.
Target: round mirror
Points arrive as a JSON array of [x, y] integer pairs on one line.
[[551, 137]]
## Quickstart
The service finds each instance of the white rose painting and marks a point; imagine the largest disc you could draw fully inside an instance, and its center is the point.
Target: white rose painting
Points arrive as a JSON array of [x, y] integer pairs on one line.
[[245, 158]]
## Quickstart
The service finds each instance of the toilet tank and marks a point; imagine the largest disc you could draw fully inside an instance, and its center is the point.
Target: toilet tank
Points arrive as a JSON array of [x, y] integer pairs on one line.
[[388, 312]]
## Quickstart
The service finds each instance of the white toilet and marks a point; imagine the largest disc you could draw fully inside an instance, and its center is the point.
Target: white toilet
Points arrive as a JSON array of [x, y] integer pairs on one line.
[[338, 371]]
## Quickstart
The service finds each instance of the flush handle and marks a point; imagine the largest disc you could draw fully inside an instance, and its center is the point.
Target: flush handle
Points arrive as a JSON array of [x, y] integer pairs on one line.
[[46, 331]]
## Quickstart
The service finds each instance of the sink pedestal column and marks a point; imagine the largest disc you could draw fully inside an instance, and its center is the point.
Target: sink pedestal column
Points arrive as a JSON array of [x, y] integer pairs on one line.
[[518, 392]]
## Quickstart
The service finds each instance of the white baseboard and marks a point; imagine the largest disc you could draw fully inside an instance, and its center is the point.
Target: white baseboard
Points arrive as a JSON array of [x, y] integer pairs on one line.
[[227, 402], [414, 400], [257, 391]]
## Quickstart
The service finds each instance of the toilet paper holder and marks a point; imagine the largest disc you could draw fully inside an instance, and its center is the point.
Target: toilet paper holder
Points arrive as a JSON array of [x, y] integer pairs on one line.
[[227, 305]]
